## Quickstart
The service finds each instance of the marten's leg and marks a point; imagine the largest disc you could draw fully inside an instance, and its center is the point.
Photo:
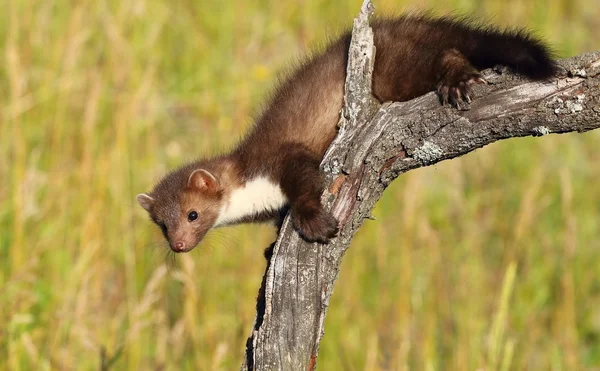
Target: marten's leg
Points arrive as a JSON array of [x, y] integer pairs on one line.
[[455, 77], [302, 183]]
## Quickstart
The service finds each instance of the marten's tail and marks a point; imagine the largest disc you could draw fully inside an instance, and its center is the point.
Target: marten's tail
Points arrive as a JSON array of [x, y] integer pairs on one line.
[[486, 47]]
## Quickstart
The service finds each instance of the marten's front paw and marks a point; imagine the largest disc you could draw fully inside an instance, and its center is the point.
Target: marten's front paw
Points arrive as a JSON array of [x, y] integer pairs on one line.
[[315, 224], [455, 89]]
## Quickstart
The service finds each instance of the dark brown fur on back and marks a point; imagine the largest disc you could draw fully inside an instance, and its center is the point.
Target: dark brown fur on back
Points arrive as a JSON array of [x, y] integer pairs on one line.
[[408, 63]]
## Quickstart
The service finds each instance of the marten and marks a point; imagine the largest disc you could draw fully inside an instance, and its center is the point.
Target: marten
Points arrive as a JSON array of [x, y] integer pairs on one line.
[[275, 167]]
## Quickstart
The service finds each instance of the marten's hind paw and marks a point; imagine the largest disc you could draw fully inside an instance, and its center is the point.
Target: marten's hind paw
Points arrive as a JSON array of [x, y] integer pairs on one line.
[[315, 224], [455, 78], [457, 90]]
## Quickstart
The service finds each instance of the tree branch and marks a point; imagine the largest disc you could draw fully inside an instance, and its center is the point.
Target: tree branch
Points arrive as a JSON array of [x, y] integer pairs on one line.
[[376, 143]]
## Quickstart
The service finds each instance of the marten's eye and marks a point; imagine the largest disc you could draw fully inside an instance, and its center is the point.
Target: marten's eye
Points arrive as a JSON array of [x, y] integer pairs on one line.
[[192, 216]]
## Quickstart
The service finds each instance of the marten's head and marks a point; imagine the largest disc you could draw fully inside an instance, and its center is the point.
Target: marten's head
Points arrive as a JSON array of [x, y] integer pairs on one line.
[[185, 205]]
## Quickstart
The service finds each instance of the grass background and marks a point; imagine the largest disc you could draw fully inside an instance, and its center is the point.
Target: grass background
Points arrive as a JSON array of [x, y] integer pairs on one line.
[[486, 262]]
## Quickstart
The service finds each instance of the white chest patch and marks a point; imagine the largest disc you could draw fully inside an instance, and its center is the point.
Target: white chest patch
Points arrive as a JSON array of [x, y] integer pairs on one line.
[[256, 196]]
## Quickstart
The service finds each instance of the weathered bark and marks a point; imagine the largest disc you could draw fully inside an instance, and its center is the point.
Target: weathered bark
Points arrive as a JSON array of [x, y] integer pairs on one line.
[[375, 144]]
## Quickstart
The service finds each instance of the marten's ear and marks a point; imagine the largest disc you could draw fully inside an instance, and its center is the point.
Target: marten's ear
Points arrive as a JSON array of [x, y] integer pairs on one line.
[[202, 180], [145, 201]]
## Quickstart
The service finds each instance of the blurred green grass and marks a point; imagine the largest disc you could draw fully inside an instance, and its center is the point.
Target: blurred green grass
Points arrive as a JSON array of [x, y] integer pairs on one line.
[[489, 261]]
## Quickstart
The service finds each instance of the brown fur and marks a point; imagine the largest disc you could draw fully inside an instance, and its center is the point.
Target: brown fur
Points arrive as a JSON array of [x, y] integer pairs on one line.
[[414, 55]]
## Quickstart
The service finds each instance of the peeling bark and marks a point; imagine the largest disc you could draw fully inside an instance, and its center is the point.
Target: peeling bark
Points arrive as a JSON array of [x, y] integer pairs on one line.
[[376, 143]]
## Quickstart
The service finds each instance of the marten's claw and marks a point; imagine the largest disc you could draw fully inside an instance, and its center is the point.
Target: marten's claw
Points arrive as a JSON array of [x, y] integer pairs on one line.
[[456, 95], [443, 92], [478, 80]]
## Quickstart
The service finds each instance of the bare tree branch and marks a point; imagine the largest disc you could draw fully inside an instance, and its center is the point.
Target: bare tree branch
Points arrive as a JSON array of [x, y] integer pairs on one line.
[[376, 143]]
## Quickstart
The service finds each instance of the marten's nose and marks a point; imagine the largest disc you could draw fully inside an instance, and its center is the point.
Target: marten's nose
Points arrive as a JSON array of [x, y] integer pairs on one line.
[[179, 245]]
